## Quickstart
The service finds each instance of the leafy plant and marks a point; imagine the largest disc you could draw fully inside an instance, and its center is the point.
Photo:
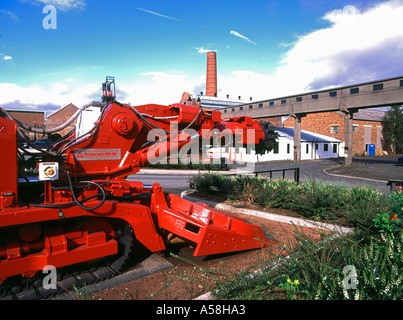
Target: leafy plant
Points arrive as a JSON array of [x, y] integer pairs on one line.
[[361, 205], [82, 293], [391, 220], [291, 288], [392, 129], [313, 199], [317, 270], [386, 223], [211, 183], [379, 270]]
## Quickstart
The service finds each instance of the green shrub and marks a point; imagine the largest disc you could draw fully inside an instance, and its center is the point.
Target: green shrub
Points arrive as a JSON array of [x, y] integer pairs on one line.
[[268, 194], [334, 269], [378, 273], [212, 184], [313, 199], [318, 200], [361, 205], [360, 265], [390, 221]]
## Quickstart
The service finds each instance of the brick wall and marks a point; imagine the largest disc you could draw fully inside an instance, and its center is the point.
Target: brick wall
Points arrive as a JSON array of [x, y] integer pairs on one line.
[[32, 118], [321, 123], [61, 116], [358, 136], [275, 121]]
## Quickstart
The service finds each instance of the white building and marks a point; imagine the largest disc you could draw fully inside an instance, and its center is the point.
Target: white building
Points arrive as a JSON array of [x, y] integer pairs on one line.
[[313, 146], [217, 103]]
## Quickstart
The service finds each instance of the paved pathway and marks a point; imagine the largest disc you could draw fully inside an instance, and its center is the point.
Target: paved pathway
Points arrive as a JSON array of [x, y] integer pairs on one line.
[[373, 171], [315, 169], [370, 171]]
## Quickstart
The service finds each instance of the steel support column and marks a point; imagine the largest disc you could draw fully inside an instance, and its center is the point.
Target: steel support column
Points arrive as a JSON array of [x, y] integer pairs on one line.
[[297, 137], [348, 132]]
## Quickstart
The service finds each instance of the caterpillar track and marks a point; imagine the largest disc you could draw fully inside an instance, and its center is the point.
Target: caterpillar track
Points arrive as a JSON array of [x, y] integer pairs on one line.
[[70, 278]]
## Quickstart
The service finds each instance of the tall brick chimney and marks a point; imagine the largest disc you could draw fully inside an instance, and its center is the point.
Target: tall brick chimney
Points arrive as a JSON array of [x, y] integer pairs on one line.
[[211, 78]]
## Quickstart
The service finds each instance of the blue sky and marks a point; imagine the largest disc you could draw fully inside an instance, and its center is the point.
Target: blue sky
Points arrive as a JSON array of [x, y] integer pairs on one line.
[[156, 49]]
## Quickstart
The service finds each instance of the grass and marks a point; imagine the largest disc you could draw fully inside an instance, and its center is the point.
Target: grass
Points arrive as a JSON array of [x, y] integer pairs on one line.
[[311, 199], [366, 264]]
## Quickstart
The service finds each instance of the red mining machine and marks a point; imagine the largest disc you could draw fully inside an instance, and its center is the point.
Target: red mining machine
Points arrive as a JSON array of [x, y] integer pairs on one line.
[[70, 204]]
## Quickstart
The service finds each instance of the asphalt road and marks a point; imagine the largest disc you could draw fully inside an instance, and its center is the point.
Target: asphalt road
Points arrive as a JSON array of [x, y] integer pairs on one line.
[[314, 169], [176, 181], [172, 183]]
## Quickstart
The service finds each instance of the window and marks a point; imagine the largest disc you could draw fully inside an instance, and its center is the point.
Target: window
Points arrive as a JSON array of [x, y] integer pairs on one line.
[[333, 94], [225, 111], [334, 129], [284, 101], [335, 148], [378, 86], [233, 109], [288, 148], [251, 106], [307, 148], [326, 147], [401, 83], [275, 149], [316, 146], [271, 103], [298, 99], [315, 97], [354, 90], [240, 108], [355, 127], [260, 105]]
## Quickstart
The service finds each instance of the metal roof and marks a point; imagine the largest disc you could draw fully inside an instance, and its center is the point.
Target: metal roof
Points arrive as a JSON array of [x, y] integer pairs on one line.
[[306, 136], [369, 115], [218, 102]]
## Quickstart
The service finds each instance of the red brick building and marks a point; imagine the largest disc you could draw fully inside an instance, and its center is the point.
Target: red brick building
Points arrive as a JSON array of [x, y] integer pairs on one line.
[[61, 116], [367, 127], [34, 119], [275, 121]]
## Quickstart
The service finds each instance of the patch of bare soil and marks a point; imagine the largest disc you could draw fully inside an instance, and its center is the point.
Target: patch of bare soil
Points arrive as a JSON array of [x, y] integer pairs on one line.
[[166, 285]]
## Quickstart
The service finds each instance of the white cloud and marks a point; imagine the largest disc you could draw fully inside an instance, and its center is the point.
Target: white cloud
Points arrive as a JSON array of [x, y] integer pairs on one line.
[[160, 87], [237, 34], [356, 46], [149, 87], [54, 96], [10, 14], [6, 58], [62, 5], [246, 84], [60, 88], [157, 14], [202, 50]]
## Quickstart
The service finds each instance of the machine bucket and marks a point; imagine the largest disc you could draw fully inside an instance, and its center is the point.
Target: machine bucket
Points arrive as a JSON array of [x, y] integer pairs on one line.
[[212, 231]]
